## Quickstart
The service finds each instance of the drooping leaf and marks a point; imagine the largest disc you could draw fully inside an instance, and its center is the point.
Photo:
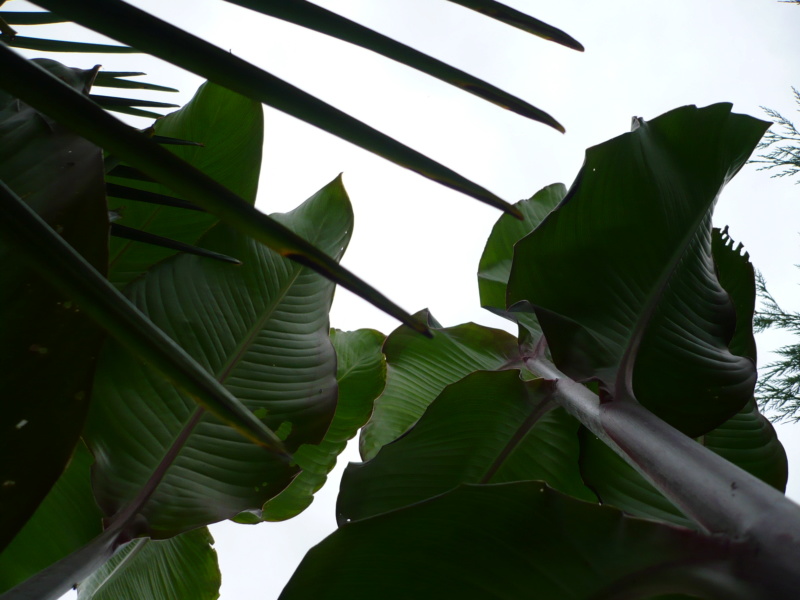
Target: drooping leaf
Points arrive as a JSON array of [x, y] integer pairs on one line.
[[490, 427], [31, 83], [231, 129], [324, 21], [361, 376], [48, 344], [181, 567], [262, 330], [67, 519], [495, 265], [145, 32], [420, 368], [515, 18], [510, 541], [635, 229]]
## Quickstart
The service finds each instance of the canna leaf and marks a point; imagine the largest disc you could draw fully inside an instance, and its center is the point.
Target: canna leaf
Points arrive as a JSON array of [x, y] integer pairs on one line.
[[361, 375], [635, 229], [489, 427], [261, 329], [421, 368]]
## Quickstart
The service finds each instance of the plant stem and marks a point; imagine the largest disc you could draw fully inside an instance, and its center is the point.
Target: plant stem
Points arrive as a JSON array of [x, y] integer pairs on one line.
[[761, 523]]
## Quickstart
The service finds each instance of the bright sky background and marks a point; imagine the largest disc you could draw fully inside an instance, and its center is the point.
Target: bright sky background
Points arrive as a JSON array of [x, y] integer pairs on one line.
[[420, 243]]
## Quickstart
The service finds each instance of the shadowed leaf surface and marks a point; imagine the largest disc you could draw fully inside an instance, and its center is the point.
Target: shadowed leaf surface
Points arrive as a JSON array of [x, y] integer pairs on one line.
[[490, 427], [635, 229], [511, 541], [420, 368], [49, 347]]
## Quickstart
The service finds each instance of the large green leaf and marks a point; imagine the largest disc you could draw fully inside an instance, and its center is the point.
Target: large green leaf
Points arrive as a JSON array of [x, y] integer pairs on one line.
[[420, 368], [511, 541], [182, 567], [262, 330], [319, 19], [361, 375], [67, 519], [490, 427], [495, 264], [48, 93], [230, 128], [49, 346], [147, 33], [635, 229]]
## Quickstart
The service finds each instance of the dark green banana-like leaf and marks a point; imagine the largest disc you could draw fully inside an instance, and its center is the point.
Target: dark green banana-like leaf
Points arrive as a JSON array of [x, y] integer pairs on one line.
[[635, 230], [511, 541], [361, 375], [123, 22], [49, 346], [182, 567], [230, 128], [30, 18], [495, 264], [118, 79], [26, 80], [421, 368], [515, 18], [67, 519], [490, 427], [262, 330], [324, 21], [43, 45], [747, 439]]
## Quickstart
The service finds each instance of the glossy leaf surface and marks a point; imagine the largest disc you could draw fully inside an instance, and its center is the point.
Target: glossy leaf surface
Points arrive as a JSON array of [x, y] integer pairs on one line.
[[262, 330], [635, 229], [511, 541], [361, 376], [182, 567], [420, 368], [231, 129], [490, 427]]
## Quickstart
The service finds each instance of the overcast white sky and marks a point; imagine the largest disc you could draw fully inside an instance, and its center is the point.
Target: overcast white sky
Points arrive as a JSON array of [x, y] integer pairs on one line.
[[420, 243]]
